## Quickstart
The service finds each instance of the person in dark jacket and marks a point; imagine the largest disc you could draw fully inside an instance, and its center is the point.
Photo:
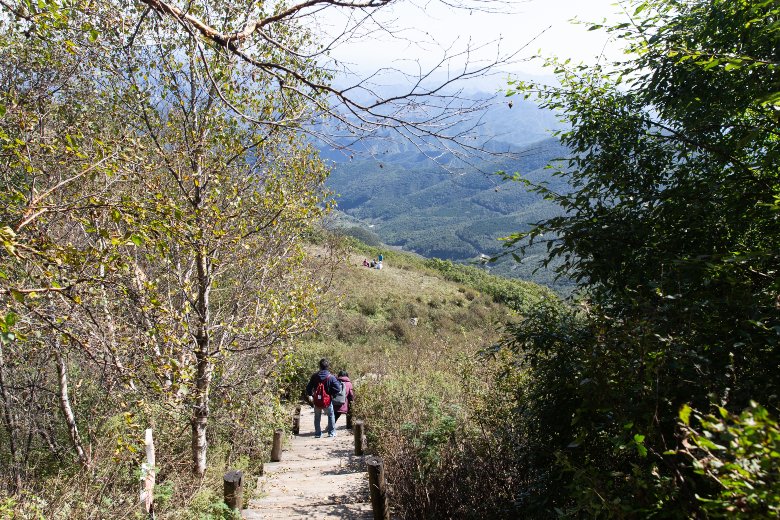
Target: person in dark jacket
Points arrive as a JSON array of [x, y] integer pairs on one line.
[[348, 391], [332, 387]]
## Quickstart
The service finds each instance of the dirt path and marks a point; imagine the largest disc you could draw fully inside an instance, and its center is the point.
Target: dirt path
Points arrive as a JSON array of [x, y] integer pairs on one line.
[[317, 478]]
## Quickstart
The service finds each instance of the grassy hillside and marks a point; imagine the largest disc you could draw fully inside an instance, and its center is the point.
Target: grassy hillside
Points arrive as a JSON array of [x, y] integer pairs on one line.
[[368, 324], [413, 337]]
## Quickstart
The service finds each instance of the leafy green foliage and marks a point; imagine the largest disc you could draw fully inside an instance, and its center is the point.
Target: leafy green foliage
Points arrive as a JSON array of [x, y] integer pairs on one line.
[[672, 233], [518, 295], [741, 454], [152, 268]]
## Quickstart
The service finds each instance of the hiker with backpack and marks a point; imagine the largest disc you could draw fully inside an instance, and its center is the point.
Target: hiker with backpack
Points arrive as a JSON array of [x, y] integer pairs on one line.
[[322, 387], [343, 400]]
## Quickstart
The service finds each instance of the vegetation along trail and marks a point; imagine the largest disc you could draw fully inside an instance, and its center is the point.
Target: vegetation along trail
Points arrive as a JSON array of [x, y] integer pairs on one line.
[[173, 264]]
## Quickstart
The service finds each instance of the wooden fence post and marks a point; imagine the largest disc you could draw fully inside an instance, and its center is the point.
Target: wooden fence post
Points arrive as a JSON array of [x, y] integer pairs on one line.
[[378, 488], [296, 429], [148, 477], [276, 450], [234, 489], [360, 438]]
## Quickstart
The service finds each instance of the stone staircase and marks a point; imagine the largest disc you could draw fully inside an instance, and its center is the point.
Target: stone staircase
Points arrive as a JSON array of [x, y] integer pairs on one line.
[[316, 478]]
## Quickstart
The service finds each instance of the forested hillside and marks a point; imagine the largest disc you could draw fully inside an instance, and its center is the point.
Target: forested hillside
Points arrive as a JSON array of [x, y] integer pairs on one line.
[[414, 203]]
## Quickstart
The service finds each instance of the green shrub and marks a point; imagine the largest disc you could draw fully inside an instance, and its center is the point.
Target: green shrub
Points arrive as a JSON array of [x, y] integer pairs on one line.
[[516, 294], [401, 329], [740, 454], [353, 328], [368, 306], [209, 505], [441, 433]]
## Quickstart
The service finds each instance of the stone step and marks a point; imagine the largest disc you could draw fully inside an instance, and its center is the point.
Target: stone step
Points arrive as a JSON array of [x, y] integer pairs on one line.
[[307, 511], [316, 478], [301, 464]]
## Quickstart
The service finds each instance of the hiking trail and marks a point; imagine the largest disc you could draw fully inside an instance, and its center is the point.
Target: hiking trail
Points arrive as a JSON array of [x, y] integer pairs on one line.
[[316, 478]]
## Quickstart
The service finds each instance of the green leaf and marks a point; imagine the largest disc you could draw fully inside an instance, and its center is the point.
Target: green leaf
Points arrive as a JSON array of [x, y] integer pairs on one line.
[[17, 295], [10, 319], [137, 240], [685, 414], [770, 99]]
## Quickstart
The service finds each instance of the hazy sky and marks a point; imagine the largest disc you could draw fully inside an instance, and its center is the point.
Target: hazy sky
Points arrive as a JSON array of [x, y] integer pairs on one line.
[[418, 24], [421, 30]]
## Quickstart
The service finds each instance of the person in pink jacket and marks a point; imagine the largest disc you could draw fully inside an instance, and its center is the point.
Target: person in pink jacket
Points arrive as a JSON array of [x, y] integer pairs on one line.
[[347, 394]]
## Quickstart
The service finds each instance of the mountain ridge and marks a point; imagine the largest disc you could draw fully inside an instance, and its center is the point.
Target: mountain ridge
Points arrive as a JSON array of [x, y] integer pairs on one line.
[[453, 216]]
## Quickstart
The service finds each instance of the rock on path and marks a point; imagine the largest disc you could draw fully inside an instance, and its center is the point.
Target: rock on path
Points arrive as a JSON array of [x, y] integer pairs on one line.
[[317, 478]]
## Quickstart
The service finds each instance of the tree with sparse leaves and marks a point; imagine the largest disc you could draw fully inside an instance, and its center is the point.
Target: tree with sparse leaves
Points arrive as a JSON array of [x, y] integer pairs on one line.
[[156, 189]]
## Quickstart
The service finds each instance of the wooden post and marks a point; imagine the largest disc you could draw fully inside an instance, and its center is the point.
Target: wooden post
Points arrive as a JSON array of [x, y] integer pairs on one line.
[[360, 438], [148, 477], [349, 420], [296, 429], [234, 489], [378, 488], [276, 450]]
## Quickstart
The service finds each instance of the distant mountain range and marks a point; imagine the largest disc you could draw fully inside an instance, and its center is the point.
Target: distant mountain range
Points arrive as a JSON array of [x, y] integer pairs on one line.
[[402, 197]]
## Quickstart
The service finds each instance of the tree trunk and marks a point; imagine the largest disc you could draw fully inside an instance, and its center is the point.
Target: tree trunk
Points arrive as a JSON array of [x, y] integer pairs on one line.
[[67, 410], [200, 414], [204, 367], [9, 423]]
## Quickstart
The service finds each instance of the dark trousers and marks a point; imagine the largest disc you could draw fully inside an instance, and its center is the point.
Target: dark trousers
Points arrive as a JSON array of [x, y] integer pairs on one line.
[[349, 419]]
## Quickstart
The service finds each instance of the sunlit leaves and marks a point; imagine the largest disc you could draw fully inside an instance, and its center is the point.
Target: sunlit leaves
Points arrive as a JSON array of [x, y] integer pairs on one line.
[[740, 454], [121, 174]]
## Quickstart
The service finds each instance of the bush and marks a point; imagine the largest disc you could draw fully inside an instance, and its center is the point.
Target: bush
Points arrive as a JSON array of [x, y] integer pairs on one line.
[[441, 434], [519, 295], [368, 306], [740, 454], [353, 328], [401, 329]]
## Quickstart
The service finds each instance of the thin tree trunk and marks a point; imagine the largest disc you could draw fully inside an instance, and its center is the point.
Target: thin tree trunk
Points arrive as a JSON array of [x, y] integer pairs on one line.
[[204, 367], [67, 410], [9, 423]]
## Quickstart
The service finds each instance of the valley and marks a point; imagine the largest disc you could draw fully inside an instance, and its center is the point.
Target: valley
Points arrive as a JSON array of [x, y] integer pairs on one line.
[[412, 203]]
